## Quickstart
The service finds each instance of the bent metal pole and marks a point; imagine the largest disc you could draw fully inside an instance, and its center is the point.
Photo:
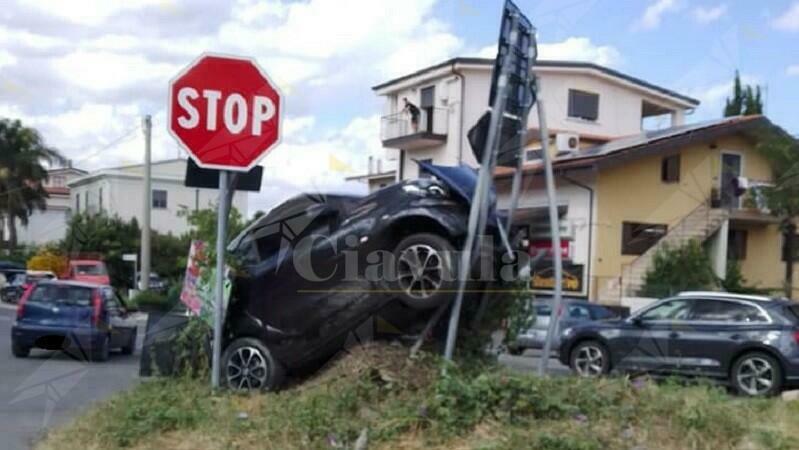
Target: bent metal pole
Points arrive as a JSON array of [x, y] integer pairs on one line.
[[219, 288], [554, 226]]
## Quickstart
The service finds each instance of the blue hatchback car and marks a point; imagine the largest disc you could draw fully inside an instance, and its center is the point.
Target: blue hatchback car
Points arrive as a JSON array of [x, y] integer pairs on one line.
[[57, 315]]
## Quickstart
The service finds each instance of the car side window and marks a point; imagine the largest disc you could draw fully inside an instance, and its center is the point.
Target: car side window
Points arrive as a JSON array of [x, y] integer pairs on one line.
[[677, 309], [579, 312], [111, 303], [712, 310]]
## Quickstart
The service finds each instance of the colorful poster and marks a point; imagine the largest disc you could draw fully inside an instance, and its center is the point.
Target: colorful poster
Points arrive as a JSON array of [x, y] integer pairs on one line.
[[199, 282]]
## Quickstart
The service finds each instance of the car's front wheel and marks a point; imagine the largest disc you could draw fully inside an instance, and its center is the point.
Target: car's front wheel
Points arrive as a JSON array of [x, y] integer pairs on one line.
[[247, 365], [590, 359], [424, 271], [757, 374]]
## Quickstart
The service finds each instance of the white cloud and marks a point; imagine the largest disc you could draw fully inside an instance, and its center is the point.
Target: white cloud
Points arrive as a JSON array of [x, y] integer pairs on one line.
[[570, 49], [105, 70], [654, 13], [7, 59], [705, 15], [789, 20], [793, 70], [89, 12]]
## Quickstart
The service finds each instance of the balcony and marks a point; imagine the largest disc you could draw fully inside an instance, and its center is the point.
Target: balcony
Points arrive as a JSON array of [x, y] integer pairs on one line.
[[397, 131]]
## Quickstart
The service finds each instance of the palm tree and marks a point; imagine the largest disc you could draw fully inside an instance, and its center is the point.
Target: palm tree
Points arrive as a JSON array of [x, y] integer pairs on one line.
[[23, 156]]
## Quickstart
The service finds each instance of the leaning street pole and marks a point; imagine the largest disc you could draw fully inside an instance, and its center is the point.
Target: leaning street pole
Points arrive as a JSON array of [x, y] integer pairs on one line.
[[219, 282], [144, 276], [554, 225]]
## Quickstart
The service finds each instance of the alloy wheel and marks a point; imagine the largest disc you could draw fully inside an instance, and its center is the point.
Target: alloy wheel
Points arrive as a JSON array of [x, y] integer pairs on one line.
[[755, 376], [247, 369], [420, 271], [589, 361]]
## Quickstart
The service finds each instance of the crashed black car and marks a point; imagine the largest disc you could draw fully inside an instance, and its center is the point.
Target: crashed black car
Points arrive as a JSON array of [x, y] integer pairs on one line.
[[317, 266]]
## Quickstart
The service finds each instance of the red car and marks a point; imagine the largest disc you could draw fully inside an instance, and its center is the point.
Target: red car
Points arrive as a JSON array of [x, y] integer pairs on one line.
[[88, 271]]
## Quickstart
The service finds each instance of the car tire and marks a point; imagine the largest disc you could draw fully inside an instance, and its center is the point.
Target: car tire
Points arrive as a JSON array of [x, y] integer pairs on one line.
[[19, 351], [590, 359], [131, 345], [756, 374], [101, 353], [247, 365], [424, 272]]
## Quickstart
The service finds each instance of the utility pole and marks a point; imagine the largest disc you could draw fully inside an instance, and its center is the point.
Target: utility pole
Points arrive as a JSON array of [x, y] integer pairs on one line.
[[144, 277]]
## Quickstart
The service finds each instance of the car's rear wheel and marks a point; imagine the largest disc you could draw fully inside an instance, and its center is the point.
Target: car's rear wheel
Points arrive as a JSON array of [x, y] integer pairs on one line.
[[19, 351], [247, 365], [757, 374], [424, 271], [101, 353], [131, 345], [590, 359]]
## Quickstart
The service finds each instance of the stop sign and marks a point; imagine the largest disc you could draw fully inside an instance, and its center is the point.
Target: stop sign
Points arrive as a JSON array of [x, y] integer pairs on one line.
[[225, 111]]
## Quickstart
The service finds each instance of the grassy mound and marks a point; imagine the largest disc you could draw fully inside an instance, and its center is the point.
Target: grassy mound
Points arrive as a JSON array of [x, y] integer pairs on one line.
[[376, 393]]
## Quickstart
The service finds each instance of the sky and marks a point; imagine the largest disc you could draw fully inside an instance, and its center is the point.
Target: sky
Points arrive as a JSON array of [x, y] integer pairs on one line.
[[84, 72]]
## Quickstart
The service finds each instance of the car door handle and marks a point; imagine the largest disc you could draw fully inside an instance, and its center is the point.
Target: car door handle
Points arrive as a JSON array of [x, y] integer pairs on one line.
[[674, 335]]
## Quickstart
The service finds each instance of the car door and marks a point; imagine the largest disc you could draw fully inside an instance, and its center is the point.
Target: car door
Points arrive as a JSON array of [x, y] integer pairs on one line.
[[121, 325], [715, 330], [645, 341]]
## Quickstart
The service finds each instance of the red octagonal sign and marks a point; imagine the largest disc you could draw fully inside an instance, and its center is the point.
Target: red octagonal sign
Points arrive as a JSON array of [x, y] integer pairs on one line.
[[225, 111]]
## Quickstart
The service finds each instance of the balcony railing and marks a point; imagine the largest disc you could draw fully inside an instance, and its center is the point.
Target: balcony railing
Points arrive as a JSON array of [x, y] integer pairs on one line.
[[399, 131]]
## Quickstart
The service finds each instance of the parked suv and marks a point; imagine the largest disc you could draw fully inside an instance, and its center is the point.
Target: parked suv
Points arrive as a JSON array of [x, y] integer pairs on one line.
[[55, 315], [750, 341], [576, 311]]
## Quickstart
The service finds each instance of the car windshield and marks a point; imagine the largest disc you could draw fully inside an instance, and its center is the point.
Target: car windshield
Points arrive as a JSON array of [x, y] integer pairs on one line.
[[89, 269], [62, 294]]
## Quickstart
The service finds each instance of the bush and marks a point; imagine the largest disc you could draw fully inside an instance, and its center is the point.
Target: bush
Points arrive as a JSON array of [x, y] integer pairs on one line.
[[49, 260], [152, 301], [679, 269]]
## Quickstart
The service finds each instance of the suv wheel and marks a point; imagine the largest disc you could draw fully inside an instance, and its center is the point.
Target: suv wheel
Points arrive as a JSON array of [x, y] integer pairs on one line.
[[590, 359], [20, 351], [247, 365], [100, 354], [424, 271], [757, 374]]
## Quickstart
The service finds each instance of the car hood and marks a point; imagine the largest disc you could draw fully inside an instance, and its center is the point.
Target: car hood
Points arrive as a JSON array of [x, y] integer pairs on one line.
[[462, 179]]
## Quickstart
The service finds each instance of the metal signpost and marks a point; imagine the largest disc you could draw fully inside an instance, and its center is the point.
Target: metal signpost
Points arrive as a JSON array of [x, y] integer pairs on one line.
[[226, 113], [510, 100]]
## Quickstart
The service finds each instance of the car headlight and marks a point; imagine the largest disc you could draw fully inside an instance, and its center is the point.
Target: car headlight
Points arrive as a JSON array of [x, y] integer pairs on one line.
[[425, 188], [567, 332]]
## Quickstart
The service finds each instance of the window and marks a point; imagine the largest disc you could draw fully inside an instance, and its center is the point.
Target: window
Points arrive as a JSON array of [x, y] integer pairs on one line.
[[159, 199], [677, 309], [86, 200], [58, 181], [583, 105], [532, 155], [670, 169], [736, 245], [100, 199], [77, 203], [579, 312], [709, 310], [637, 238]]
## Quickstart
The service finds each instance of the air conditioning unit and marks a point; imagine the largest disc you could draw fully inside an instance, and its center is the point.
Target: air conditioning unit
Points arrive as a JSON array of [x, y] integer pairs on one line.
[[567, 142]]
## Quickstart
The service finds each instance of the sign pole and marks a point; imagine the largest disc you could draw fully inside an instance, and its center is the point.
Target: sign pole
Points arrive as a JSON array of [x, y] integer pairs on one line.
[[554, 225], [219, 288]]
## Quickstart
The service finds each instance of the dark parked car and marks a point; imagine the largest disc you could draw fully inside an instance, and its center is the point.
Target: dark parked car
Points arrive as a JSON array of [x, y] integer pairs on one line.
[[157, 284], [576, 312], [750, 341], [311, 274], [56, 315], [13, 284]]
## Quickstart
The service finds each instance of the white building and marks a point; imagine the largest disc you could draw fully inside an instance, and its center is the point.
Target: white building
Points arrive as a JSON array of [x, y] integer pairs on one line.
[[51, 224], [586, 105], [118, 191]]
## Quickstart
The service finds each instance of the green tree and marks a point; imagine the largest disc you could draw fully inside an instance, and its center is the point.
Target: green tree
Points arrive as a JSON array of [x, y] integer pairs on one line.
[[23, 157], [678, 269], [782, 199], [203, 225], [744, 101]]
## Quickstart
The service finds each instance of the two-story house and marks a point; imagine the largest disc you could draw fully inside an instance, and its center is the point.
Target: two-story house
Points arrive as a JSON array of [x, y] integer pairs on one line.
[[119, 191], [631, 175]]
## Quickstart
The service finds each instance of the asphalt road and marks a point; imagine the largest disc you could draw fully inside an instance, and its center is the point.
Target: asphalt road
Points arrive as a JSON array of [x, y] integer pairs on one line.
[[49, 388]]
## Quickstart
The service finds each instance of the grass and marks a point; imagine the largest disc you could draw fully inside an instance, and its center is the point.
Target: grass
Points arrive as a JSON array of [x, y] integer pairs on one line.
[[406, 404]]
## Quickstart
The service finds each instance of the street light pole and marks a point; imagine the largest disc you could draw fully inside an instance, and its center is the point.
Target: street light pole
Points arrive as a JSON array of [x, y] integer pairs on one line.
[[219, 287], [144, 277]]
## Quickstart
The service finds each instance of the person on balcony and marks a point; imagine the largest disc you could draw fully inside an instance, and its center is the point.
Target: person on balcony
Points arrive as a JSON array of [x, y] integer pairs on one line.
[[414, 111]]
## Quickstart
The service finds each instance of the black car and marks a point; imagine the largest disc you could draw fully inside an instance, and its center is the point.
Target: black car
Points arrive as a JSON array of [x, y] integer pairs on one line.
[[314, 268], [750, 341]]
